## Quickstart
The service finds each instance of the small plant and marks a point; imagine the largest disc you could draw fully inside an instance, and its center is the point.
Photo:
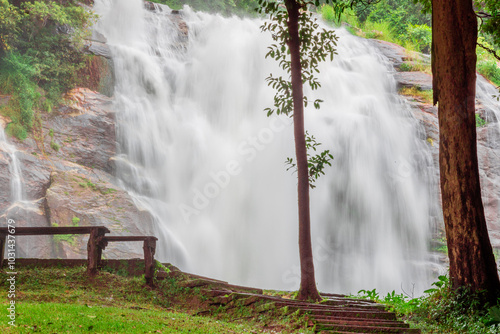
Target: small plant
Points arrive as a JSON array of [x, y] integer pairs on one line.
[[442, 283], [68, 238], [55, 146], [480, 122], [75, 221], [369, 294], [494, 316]]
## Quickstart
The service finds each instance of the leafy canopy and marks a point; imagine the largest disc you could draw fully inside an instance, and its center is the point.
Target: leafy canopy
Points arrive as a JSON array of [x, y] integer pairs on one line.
[[316, 45]]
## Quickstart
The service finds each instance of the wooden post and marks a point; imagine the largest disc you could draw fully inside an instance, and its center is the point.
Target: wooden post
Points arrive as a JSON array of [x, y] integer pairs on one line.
[[149, 264], [94, 250], [3, 237]]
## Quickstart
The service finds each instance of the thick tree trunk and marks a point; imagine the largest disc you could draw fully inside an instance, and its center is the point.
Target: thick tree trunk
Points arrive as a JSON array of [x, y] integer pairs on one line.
[[454, 31], [308, 288]]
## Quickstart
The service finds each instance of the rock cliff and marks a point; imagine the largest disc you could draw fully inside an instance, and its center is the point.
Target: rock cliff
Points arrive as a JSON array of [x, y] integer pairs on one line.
[[488, 135], [66, 181]]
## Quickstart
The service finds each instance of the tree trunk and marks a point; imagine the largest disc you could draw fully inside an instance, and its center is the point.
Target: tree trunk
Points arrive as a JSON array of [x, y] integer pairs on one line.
[[454, 36], [308, 288]]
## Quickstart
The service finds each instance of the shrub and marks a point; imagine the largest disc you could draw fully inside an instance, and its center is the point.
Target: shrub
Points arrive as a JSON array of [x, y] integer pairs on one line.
[[420, 36], [17, 130], [490, 70], [40, 44]]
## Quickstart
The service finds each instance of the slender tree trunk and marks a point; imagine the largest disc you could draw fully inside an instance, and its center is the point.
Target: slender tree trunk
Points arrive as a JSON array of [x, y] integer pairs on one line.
[[454, 31], [308, 288]]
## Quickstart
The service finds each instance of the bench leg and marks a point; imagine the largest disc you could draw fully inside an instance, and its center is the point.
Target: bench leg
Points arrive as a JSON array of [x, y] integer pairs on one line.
[[149, 264], [2, 248], [94, 251]]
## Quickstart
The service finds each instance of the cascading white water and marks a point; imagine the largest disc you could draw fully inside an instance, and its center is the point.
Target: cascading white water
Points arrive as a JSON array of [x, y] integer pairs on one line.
[[16, 185], [197, 149]]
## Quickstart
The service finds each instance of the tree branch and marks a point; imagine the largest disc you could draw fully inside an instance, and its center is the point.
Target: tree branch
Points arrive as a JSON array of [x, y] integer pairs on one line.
[[490, 50], [483, 15]]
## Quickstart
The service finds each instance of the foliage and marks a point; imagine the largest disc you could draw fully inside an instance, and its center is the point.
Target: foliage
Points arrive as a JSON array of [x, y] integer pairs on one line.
[[396, 21], [442, 310], [315, 46], [215, 6], [442, 282], [369, 294], [489, 12], [17, 77], [55, 146], [9, 20], [41, 44], [489, 69], [420, 35], [75, 221], [480, 122]]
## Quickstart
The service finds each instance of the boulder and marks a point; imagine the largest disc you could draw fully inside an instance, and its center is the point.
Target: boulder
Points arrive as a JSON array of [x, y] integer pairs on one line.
[[99, 49], [421, 80], [74, 198], [82, 131], [396, 54]]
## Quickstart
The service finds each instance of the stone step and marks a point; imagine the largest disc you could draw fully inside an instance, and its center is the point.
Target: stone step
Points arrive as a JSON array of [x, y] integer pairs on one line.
[[339, 301], [334, 296], [350, 321], [332, 307], [366, 329], [356, 314]]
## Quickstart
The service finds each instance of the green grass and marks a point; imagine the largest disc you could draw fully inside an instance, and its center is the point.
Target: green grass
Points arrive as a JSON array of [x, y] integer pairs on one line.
[[425, 95], [75, 318], [66, 300], [489, 69], [417, 38]]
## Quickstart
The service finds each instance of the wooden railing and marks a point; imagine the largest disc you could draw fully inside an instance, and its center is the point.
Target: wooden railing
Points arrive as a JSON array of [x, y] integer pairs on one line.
[[96, 244]]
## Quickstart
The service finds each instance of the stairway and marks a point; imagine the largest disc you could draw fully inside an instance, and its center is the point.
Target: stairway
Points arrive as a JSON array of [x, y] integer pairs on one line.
[[335, 314]]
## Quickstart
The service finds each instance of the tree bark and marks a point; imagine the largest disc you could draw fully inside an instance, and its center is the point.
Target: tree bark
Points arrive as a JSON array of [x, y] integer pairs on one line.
[[454, 31], [308, 290]]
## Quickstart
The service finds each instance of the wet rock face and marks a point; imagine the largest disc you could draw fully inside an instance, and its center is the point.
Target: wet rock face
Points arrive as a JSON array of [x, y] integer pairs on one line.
[[420, 80], [82, 131], [65, 182], [76, 199], [488, 137], [30, 215], [488, 151], [4, 181]]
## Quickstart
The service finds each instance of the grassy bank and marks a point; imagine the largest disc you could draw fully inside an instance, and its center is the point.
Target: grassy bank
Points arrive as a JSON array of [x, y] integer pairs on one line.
[[65, 300], [405, 25]]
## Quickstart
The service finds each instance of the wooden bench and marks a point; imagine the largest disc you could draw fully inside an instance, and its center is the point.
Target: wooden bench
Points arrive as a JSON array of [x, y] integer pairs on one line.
[[94, 245], [149, 252]]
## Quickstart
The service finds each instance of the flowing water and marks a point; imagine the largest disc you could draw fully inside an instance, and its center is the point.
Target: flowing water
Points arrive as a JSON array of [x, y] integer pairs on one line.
[[16, 184], [197, 149]]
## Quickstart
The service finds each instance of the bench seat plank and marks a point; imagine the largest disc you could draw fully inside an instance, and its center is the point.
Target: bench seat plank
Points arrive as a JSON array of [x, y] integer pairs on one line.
[[129, 238], [53, 230]]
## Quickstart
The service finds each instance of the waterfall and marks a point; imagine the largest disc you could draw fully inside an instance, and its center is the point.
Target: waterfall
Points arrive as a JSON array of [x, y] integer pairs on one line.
[[16, 184], [196, 148]]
